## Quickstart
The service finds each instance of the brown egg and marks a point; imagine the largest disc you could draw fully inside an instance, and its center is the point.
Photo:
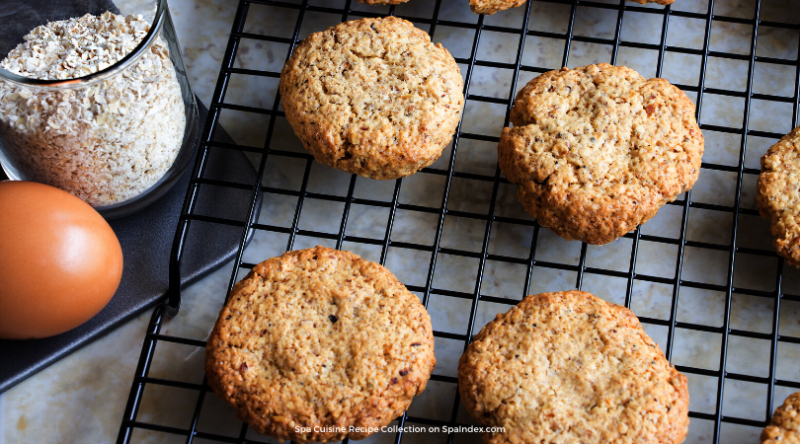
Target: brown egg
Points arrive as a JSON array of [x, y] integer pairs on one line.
[[60, 261]]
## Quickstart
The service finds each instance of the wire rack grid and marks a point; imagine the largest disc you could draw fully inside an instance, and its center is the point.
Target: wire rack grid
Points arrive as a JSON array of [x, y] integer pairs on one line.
[[717, 388]]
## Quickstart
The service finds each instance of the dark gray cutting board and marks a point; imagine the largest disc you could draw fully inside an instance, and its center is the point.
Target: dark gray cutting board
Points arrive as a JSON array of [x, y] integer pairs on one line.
[[146, 239]]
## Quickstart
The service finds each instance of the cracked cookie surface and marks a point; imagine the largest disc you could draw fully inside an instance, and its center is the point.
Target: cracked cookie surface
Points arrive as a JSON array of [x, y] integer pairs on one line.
[[785, 425], [490, 7], [567, 367], [597, 150], [373, 97], [319, 339], [778, 196]]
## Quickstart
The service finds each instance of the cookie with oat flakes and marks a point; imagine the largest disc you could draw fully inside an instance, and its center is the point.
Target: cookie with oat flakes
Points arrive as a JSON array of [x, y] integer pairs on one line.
[[785, 425], [316, 341], [490, 7], [778, 195], [373, 97], [567, 367], [597, 150]]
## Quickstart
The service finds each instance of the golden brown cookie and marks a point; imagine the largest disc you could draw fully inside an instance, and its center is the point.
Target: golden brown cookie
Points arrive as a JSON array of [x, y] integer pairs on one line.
[[316, 341], [373, 97], [597, 150], [785, 425], [490, 7], [567, 367], [778, 196]]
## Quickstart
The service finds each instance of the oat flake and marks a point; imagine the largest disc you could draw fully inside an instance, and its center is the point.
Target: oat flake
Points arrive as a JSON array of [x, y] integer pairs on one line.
[[104, 143]]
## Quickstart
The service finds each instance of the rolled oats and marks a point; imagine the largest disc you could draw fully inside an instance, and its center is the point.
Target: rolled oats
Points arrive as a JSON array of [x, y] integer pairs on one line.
[[105, 142]]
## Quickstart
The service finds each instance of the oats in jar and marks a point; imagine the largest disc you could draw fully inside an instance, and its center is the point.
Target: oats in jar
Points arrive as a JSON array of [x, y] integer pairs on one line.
[[106, 142]]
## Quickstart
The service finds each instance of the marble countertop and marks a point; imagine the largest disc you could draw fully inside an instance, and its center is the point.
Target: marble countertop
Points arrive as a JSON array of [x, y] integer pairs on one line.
[[82, 397]]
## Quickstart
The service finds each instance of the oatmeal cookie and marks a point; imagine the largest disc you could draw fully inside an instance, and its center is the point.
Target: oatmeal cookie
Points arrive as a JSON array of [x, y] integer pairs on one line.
[[778, 196], [322, 340], [597, 150], [568, 367], [490, 7], [785, 425], [373, 97]]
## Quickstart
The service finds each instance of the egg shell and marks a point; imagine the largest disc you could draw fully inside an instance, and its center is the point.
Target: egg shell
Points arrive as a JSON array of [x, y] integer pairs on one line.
[[60, 261]]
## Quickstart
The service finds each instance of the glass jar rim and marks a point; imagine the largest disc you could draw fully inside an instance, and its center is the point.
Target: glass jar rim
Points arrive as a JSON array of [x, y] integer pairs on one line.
[[101, 75]]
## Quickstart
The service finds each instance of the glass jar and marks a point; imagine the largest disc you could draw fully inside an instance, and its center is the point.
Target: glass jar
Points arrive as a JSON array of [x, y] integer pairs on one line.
[[95, 100]]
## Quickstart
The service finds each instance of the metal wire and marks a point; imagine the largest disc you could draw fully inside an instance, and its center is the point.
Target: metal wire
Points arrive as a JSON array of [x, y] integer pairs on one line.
[[686, 204]]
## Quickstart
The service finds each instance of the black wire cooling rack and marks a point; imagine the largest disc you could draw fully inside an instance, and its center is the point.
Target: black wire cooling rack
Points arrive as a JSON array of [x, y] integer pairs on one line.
[[712, 419]]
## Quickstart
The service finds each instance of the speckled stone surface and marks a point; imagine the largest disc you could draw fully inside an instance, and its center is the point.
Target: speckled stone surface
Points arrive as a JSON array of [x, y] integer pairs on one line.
[[81, 398]]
